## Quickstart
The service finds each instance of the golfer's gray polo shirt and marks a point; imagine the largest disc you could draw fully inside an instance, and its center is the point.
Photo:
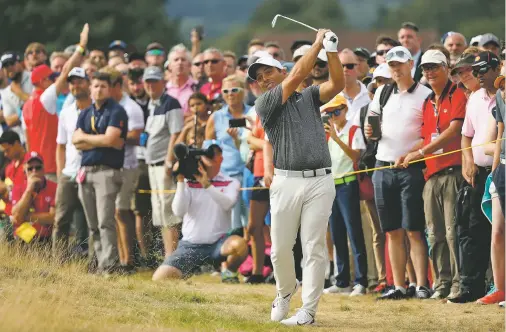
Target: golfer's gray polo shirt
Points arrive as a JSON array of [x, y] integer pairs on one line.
[[295, 129]]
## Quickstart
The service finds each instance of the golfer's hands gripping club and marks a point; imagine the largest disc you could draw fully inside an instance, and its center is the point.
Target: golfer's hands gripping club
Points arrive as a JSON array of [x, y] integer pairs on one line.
[[330, 42]]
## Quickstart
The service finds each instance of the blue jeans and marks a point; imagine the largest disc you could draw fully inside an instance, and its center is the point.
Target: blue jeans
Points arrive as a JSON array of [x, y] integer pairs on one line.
[[345, 221]]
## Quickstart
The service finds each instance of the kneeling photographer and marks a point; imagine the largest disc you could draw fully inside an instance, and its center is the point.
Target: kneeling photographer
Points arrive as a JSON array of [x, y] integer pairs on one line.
[[204, 199]]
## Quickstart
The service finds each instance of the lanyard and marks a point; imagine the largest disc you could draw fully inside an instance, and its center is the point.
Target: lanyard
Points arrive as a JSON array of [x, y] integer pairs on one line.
[[92, 121], [437, 105]]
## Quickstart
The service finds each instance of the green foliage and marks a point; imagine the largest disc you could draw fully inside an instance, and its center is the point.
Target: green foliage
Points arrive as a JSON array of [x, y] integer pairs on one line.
[[469, 17], [57, 23], [316, 13]]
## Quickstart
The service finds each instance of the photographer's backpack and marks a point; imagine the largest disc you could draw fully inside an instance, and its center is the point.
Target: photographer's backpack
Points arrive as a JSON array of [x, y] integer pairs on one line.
[[368, 159]]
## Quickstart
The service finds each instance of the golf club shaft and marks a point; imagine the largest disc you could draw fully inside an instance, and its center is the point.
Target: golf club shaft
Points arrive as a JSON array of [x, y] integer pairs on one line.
[[307, 26]]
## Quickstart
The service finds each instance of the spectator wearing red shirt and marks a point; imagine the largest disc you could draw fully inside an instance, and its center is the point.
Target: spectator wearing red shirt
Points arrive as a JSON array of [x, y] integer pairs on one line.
[[39, 112], [15, 152], [214, 67], [33, 200], [444, 111]]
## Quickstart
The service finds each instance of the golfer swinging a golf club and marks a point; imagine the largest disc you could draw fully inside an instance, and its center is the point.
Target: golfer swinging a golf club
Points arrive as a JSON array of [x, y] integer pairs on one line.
[[302, 191]]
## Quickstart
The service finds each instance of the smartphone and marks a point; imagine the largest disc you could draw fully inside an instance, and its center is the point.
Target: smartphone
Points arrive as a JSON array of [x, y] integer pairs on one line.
[[374, 121], [200, 31], [235, 123], [325, 119]]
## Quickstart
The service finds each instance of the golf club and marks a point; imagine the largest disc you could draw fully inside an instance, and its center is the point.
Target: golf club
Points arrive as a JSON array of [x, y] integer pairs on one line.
[[291, 19]]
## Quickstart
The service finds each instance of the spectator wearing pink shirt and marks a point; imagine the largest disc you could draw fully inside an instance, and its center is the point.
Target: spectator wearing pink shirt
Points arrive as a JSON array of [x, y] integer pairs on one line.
[[473, 228], [182, 85]]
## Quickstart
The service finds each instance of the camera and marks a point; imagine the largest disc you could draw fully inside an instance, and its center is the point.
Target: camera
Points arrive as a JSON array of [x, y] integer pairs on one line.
[[189, 158]]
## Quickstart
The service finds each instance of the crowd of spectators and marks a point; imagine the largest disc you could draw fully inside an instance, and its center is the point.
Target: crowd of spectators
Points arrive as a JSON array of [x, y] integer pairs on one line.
[[89, 168]]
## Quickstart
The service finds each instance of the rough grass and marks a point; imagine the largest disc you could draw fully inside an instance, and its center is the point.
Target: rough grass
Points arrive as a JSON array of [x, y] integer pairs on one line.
[[38, 295]]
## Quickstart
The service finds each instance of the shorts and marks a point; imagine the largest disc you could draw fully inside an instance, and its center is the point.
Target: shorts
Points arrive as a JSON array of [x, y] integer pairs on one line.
[[398, 196], [499, 184], [189, 257], [142, 201], [126, 193], [261, 195]]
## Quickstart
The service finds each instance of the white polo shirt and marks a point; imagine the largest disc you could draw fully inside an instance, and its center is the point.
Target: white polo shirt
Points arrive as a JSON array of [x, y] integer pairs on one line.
[[135, 121], [206, 213], [401, 126], [355, 104], [66, 127]]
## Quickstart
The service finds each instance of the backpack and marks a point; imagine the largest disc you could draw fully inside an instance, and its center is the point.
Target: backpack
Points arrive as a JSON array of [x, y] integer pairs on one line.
[[368, 159]]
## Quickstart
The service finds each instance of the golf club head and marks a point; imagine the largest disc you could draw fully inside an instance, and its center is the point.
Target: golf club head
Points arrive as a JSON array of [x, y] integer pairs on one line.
[[274, 20]]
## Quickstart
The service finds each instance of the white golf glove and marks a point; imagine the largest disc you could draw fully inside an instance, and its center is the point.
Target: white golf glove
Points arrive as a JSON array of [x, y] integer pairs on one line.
[[329, 45]]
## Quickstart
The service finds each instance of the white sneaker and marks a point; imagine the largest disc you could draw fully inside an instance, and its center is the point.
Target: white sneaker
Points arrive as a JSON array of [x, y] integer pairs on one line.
[[501, 304], [302, 317], [358, 290], [453, 295], [337, 290], [281, 305]]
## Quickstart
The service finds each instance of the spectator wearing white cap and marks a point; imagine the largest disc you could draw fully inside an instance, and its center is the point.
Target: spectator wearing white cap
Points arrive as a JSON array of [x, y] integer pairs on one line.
[[398, 189], [68, 160], [380, 76], [455, 43], [297, 54], [475, 41], [182, 85], [443, 115], [491, 43]]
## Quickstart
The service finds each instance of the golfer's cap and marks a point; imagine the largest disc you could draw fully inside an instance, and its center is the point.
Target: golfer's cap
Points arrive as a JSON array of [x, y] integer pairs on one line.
[[399, 54], [499, 81], [489, 38], [152, 73], [475, 41], [77, 72], [263, 61], [9, 57], [335, 102], [362, 52], [486, 58], [465, 60], [117, 44], [382, 71], [33, 155], [433, 56]]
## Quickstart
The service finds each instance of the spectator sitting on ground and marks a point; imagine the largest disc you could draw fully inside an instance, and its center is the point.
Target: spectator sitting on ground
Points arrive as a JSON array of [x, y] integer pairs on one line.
[[206, 208], [33, 200]]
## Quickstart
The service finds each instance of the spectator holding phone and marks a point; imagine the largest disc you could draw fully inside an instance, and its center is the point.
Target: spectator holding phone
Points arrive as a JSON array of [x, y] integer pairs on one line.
[[219, 128]]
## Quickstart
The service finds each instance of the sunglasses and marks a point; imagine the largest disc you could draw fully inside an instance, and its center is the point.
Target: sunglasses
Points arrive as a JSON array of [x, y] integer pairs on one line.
[[275, 55], [321, 64], [349, 66], [337, 111], [481, 70], [156, 52], [198, 64], [34, 168], [233, 90], [213, 61], [430, 67], [382, 52], [399, 54]]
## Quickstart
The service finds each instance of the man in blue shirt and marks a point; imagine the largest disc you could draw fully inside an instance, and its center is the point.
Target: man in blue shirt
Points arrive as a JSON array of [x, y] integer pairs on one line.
[[100, 135]]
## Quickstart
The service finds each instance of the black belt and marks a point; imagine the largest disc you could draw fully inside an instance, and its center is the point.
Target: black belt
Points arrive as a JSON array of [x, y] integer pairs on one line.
[[486, 169], [96, 168], [449, 170], [160, 163], [392, 163]]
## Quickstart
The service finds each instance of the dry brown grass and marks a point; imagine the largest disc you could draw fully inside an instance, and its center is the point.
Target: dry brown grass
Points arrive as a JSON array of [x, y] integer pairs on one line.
[[38, 295]]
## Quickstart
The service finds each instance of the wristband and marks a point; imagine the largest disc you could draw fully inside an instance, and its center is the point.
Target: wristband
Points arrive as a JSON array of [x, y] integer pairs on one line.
[[80, 49], [421, 152]]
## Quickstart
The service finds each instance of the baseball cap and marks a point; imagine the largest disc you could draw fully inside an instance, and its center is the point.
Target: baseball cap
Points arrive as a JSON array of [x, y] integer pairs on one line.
[[9, 137], [301, 51], [433, 56], [40, 73], [263, 61], [465, 60], [489, 38], [117, 44], [382, 71], [335, 102], [152, 73], [155, 48], [33, 156], [362, 52], [77, 72], [399, 54], [498, 81], [475, 41], [9, 57], [486, 58], [135, 56], [298, 43]]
